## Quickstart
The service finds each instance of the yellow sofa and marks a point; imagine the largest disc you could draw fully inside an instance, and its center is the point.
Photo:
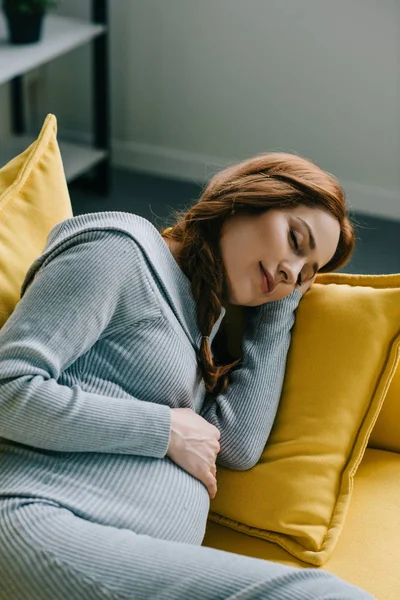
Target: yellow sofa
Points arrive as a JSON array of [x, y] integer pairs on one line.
[[368, 551]]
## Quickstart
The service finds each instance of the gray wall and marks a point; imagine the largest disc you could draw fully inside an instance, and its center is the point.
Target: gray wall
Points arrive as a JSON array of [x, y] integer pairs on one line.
[[199, 84]]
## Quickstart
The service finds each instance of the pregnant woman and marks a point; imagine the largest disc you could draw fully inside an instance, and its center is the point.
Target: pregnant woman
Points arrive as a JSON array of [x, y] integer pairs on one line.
[[116, 406]]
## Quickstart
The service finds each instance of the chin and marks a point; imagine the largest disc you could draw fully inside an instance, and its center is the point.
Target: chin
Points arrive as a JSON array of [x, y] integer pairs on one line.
[[249, 303], [242, 299]]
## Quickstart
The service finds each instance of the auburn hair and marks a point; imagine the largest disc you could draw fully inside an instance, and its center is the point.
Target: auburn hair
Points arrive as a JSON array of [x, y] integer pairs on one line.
[[273, 180]]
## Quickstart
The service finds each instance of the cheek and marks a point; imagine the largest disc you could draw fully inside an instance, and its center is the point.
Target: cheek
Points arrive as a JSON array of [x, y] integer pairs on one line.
[[241, 279], [240, 285], [277, 244], [235, 249]]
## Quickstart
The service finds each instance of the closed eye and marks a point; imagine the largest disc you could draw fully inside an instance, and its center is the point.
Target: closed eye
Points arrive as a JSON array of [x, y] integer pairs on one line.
[[296, 245], [293, 236]]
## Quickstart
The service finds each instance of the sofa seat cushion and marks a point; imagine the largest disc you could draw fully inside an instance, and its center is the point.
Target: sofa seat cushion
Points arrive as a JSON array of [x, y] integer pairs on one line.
[[368, 550]]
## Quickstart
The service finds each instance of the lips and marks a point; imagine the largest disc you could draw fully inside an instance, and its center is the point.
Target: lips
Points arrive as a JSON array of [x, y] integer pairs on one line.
[[268, 283], [264, 280]]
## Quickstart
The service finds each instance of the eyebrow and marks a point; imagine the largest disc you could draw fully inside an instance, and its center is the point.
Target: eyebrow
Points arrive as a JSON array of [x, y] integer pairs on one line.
[[311, 242]]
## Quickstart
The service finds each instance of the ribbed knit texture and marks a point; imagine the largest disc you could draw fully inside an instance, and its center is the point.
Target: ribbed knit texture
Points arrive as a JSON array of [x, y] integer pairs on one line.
[[102, 345]]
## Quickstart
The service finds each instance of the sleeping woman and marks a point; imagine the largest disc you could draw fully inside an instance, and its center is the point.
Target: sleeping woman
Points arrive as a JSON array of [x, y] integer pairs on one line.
[[118, 399]]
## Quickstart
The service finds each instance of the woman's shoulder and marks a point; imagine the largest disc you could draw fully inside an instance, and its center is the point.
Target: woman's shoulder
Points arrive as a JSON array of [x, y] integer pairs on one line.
[[108, 254]]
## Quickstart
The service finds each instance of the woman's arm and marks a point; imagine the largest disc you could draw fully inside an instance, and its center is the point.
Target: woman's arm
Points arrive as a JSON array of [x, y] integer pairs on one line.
[[73, 299], [245, 413]]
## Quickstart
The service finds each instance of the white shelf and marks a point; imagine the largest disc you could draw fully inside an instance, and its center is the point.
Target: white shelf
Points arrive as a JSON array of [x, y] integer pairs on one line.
[[60, 35], [77, 158]]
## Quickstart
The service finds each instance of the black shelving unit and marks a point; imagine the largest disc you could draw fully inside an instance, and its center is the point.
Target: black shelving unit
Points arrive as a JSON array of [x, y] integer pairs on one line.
[[100, 173]]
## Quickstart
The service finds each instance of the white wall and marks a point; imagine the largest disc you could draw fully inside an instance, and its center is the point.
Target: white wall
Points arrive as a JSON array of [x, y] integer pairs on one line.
[[196, 84]]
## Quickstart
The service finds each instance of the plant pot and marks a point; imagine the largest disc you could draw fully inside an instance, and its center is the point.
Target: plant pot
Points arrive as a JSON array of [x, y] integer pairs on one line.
[[24, 28]]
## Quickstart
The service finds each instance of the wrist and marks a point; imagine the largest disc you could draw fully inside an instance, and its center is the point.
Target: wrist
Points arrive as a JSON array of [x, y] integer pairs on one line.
[[278, 315], [174, 432]]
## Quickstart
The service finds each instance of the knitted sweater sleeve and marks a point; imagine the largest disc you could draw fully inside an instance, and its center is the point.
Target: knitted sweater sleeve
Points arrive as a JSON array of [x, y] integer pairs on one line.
[[73, 298], [245, 413]]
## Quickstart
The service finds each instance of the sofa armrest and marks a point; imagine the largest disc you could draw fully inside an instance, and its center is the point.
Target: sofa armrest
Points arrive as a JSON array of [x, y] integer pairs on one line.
[[386, 432]]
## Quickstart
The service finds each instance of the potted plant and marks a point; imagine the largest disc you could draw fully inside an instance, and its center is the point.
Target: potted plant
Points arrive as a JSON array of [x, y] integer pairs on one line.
[[25, 18]]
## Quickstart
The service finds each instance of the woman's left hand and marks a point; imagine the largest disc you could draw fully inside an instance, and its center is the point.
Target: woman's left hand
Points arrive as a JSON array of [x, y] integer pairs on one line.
[[305, 286]]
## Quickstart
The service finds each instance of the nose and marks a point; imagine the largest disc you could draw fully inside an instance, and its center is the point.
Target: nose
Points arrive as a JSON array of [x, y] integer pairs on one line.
[[291, 271]]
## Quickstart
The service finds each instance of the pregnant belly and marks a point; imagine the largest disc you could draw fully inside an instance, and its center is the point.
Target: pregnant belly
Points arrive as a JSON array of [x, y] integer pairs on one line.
[[149, 496]]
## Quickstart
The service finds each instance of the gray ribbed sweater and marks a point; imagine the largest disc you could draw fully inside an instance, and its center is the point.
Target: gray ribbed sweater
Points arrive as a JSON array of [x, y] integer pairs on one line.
[[102, 344]]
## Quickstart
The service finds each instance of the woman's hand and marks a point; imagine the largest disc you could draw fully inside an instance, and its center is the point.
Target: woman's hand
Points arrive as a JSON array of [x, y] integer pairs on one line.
[[194, 446], [306, 286]]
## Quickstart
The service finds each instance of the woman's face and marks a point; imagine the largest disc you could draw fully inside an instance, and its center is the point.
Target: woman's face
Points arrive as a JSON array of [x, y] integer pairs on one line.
[[291, 244]]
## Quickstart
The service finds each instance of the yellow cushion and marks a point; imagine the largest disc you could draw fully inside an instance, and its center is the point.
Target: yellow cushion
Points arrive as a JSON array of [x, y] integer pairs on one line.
[[367, 553], [33, 198], [343, 355]]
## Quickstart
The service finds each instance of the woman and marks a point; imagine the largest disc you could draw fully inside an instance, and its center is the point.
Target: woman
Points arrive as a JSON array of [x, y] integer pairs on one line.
[[113, 409]]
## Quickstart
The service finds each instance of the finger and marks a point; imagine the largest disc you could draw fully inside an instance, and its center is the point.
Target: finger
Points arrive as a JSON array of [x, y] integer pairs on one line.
[[212, 486], [212, 458], [213, 492], [217, 431], [306, 286]]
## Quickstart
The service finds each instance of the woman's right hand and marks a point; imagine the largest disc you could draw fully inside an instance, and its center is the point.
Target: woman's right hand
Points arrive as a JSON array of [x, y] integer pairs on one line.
[[194, 446]]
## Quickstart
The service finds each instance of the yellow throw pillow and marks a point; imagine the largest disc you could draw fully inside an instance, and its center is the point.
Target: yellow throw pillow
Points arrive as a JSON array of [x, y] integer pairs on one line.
[[33, 199], [344, 352]]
